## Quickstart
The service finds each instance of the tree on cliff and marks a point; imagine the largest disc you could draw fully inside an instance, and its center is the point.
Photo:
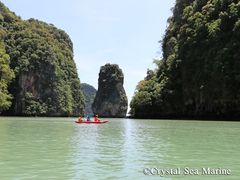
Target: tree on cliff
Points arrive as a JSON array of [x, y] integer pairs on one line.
[[199, 75], [111, 99], [6, 75], [41, 57], [89, 93]]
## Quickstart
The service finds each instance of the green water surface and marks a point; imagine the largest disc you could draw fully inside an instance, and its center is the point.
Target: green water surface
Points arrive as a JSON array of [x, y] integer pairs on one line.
[[58, 148]]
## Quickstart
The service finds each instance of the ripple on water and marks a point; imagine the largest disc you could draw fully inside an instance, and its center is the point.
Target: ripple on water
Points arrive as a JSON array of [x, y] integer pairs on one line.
[[57, 148]]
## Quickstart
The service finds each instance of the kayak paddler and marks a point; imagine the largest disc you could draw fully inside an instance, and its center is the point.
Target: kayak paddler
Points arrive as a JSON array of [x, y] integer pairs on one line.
[[96, 118], [80, 119], [88, 118]]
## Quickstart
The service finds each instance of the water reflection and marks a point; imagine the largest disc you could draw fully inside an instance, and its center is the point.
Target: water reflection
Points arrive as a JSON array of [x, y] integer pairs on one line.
[[57, 148], [142, 148], [120, 149], [98, 150]]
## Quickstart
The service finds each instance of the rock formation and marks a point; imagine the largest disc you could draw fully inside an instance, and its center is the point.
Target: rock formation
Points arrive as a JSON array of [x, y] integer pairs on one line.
[[111, 99], [41, 56], [89, 93], [199, 74]]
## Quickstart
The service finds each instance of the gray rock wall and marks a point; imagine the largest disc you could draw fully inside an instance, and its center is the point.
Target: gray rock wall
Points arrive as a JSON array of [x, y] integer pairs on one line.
[[111, 99]]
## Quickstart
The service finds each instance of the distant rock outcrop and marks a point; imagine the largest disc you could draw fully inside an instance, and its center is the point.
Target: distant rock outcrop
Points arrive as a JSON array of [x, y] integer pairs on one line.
[[89, 93], [111, 99]]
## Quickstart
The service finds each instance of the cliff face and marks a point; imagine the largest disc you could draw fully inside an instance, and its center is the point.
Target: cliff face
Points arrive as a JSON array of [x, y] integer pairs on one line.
[[89, 93], [46, 81], [111, 99], [198, 76], [6, 73]]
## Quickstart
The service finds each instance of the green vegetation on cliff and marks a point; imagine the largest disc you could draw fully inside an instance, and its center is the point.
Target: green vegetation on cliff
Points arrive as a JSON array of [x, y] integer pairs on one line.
[[199, 75], [6, 75], [89, 93], [41, 56]]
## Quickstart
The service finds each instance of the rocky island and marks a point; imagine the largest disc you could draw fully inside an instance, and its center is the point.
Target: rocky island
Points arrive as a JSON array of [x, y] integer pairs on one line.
[[89, 93], [199, 74], [40, 57], [111, 99]]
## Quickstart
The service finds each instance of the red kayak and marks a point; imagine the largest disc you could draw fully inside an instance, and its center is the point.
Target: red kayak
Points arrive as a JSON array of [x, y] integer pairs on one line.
[[91, 122]]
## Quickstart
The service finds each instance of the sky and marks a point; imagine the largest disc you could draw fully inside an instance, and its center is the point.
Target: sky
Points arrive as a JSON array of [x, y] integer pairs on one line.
[[123, 32]]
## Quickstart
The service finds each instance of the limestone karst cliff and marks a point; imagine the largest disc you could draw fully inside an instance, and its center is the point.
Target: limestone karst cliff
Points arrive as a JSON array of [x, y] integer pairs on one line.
[[89, 93], [199, 74], [111, 99], [41, 56]]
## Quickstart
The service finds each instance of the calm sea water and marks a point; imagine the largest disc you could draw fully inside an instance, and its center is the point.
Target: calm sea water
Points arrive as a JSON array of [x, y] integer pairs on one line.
[[58, 148]]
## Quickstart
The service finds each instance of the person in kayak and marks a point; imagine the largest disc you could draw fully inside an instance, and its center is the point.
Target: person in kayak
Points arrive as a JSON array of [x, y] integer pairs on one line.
[[96, 118], [80, 119], [88, 118]]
